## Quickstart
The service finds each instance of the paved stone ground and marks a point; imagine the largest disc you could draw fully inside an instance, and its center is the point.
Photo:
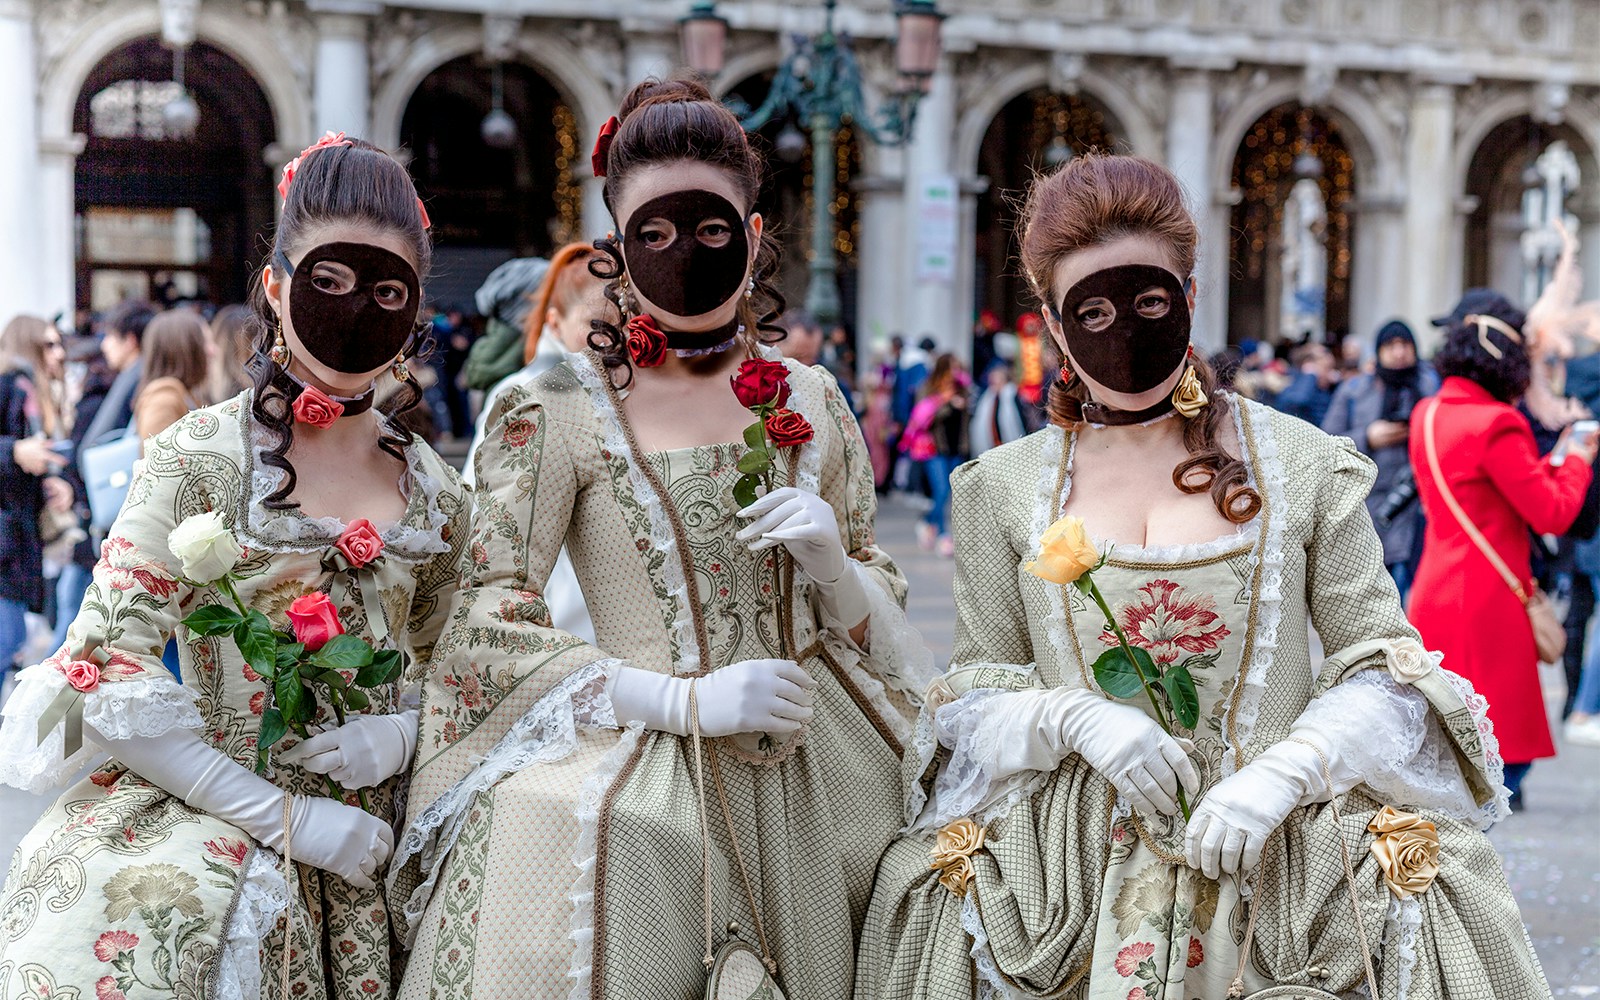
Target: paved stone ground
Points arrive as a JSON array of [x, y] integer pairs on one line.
[[1552, 851]]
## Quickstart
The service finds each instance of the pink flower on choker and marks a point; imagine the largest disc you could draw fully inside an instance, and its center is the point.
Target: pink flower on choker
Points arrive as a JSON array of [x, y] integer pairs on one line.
[[317, 408]]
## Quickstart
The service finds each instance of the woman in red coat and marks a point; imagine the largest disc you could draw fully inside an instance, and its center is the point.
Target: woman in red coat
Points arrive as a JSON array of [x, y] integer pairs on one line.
[[1460, 603]]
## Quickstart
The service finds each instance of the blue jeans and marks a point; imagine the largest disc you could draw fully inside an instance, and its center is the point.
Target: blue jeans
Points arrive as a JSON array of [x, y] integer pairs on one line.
[[939, 468], [1401, 573], [13, 632], [1587, 700], [70, 588], [1514, 775]]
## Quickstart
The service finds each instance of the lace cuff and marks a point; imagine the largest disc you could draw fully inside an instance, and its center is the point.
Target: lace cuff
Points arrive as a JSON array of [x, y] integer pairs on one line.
[[991, 765], [546, 732], [263, 897], [1380, 733], [150, 705], [898, 656]]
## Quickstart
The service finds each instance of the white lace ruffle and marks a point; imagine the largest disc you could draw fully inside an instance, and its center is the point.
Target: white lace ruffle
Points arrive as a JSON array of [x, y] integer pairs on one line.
[[1400, 928], [1187, 551], [990, 983], [590, 795], [687, 660], [1269, 602], [1383, 735], [1046, 509], [547, 731], [263, 897], [1499, 808], [982, 778], [144, 706], [291, 531], [898, 654]]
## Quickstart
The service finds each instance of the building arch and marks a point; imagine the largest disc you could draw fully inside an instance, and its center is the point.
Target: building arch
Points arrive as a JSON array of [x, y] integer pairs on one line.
[[1379, 159], [1579, 115], [740, 68]]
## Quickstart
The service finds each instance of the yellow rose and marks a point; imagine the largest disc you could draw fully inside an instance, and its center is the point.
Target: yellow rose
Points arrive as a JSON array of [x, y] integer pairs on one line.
[[1408, 661], [952, 854], [1065, 552], [1407, 849]]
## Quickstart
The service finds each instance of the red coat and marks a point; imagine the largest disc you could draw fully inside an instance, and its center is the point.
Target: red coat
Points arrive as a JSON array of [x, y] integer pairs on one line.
[[1459, 603]]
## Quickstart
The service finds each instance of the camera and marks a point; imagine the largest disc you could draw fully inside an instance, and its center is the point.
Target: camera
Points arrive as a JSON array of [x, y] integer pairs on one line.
[[1397, 500]]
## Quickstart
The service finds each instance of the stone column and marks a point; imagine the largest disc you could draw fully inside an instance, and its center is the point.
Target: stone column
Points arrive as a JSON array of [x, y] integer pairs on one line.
[[932, 307], [882, 258], [20, 286], [342, 84], [57, 254], [1429, 204], [1189, 155]]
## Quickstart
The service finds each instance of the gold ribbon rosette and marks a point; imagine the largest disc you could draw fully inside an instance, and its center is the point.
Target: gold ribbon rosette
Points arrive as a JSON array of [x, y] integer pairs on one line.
[[952, 854], [1407, 848]]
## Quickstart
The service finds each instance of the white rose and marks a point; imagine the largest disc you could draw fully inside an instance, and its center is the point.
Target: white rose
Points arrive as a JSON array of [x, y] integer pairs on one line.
[[205, 546], [1408, 661]]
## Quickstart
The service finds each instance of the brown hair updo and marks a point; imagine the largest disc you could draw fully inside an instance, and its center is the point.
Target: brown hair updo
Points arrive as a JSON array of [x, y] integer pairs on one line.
[[1097, 199], [678, 119]]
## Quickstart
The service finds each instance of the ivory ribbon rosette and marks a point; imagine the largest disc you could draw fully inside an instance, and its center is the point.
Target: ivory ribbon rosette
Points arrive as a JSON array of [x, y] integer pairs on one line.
[[1407, 848], [1408, 662], [952, 854]]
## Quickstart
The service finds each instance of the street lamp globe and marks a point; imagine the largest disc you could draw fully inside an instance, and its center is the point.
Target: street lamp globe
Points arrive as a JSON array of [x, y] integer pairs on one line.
[[704, 35], [180, 116], [790, 145], [1058, 153], [499, 129]]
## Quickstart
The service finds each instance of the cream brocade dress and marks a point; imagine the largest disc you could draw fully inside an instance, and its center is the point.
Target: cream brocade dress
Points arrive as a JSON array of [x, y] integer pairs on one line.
[[121, 889], [1074, 895], [550, 853]]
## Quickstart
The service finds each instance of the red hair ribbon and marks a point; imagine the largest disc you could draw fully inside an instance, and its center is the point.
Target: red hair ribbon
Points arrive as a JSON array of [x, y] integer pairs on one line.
[[602, 145]]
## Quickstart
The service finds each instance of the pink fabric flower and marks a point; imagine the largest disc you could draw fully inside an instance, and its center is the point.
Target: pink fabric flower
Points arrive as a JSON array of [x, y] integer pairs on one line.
[[1128, 959], [316, 408], [105, 988], [113, 943], [360, 542], [229, 849], [1169, 623], [83, 675], [315, 620], [328, 139], [1197, 952]]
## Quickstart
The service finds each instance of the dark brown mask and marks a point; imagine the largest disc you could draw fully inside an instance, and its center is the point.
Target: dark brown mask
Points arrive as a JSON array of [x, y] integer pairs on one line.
[[686, 251], [354, 305], [1127, 326]]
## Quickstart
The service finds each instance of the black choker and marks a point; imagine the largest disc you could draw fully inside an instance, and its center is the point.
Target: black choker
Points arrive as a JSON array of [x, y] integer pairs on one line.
[[352, 404], [1105, 416]]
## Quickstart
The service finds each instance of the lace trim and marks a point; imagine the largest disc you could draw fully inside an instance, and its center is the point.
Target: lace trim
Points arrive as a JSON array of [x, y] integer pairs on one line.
[[1187, 551], [898, 655], [1268, 603], [547, 731], [1493, 812], [990, 982], [590, 795], [968, 784], [263, 897], [291, 531], [1400, 929], [144, 706]]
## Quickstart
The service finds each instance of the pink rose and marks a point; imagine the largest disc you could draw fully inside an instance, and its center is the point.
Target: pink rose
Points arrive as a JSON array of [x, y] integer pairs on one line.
[[113, 943], [317, 408], [83, 675], [315, 620], [360, 542]]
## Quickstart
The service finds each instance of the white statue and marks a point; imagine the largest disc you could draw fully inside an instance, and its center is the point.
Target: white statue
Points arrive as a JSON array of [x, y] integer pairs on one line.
[[177, 22], [1543, 207], [1302, 310]]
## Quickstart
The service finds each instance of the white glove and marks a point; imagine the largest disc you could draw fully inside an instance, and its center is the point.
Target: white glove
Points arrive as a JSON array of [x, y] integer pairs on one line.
[[329, 835], [805, 524], [1133, 752], [362, 752], [751, 696], [1229, 829]]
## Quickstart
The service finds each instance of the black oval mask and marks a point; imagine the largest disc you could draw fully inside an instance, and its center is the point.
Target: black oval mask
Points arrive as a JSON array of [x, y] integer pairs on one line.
[[682, 272], [1136, 336], [358, 311]]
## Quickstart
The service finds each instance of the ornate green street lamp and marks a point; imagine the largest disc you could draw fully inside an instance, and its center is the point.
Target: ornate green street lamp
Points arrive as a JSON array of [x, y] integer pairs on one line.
[[819, 86]]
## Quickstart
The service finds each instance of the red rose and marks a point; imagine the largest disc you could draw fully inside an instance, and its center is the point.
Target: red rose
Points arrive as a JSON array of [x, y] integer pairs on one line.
[[83, 675], [518, 433], [761, 383], [317, 408], [786, 428], [360, 542], [315, 620], [647, 345]]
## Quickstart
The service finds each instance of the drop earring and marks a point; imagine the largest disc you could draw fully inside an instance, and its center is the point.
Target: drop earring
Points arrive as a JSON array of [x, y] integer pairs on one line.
[[401, 372], [280, 350], [750, 288]]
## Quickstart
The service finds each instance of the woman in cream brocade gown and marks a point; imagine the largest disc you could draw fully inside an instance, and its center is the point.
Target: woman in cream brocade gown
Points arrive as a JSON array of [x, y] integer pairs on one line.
[[554, 849], [1088, 883]]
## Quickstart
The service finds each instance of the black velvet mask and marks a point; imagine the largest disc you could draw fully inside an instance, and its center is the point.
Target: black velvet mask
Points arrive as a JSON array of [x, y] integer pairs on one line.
[[683, 272], [1136, 335], [357, 312]]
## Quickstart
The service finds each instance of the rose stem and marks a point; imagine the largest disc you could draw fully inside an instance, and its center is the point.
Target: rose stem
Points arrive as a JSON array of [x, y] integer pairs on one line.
[[1127, 650]]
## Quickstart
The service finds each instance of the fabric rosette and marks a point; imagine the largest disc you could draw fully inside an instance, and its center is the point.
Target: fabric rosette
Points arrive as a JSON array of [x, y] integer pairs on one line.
[[952, 854], [1407, 849], [647, 345], [316, 408]]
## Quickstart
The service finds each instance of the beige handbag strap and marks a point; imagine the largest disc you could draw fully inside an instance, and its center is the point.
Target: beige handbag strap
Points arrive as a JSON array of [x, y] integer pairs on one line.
[[1432, 451]]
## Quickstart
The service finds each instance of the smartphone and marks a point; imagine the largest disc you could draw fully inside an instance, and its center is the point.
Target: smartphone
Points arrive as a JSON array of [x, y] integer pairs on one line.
[[62, 448], [1582, 432]]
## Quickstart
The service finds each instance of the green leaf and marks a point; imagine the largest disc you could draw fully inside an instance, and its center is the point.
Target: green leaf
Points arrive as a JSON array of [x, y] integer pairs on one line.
[[753, 461], [1117, 677], [1179, 685], [289, 654], [291, 694], [356, 699], [257, 642], [384, 669], [755, 436], [161, 958], [332, 678], [273, 729], [343, 652], [213, 619], [744, 491]]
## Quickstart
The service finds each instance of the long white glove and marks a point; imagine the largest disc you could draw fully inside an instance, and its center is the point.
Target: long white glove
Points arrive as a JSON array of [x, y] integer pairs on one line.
[[1130, 749], [330, 835], [805, 524], [362, 752], [1229, 829], [751, 696]]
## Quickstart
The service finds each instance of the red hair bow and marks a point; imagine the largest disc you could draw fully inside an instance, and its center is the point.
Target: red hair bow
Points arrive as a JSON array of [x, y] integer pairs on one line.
[[328, 139], [602, 145]]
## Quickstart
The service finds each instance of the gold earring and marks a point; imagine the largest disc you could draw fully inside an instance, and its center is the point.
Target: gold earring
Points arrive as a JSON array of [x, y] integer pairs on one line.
[[1189, 398], [401, 372], [280, 350]]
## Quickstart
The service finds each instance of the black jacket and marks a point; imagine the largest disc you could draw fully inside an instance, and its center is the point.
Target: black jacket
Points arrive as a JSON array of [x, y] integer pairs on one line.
[[21, 500]]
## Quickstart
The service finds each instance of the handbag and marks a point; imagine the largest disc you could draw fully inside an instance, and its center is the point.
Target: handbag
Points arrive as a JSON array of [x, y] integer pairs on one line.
[[107, 467], [1549, 634]]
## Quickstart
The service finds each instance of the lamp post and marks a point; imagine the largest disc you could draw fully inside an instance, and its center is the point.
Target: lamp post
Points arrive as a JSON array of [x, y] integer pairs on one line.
[[819, 86]]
